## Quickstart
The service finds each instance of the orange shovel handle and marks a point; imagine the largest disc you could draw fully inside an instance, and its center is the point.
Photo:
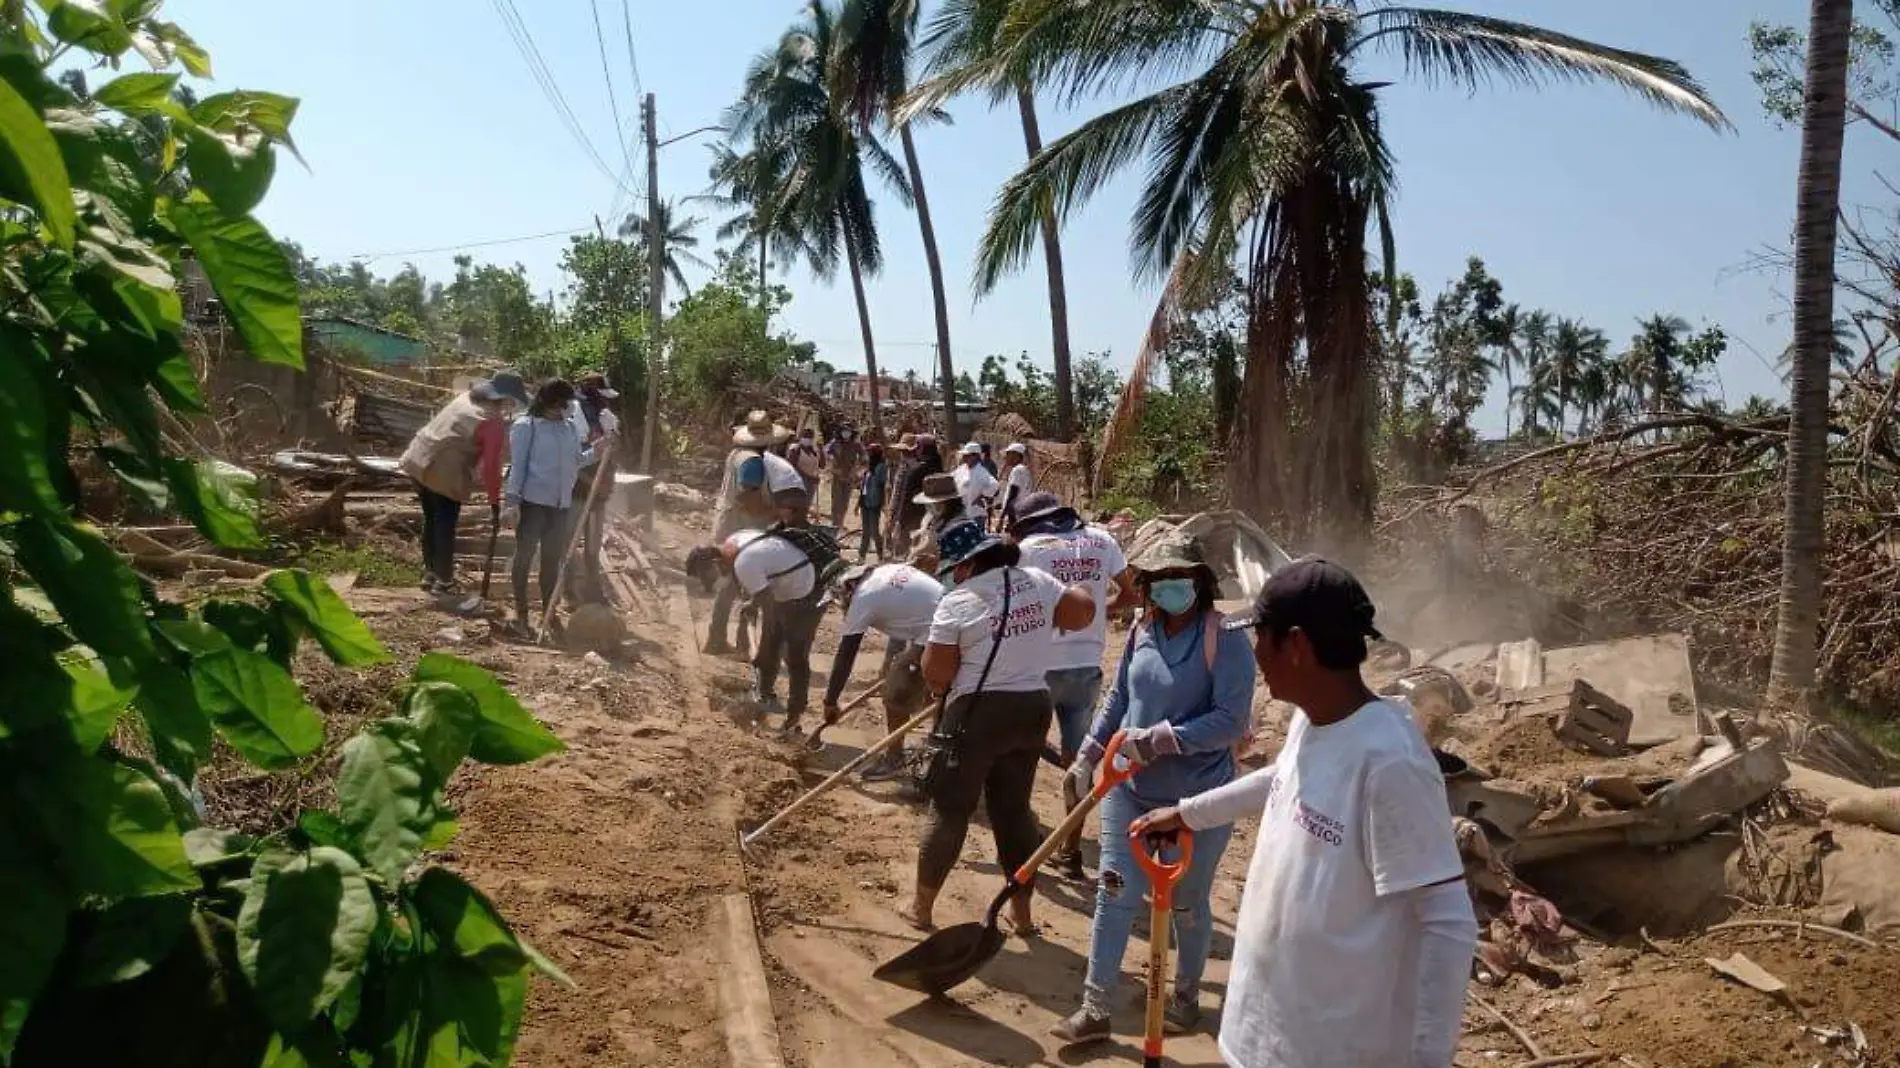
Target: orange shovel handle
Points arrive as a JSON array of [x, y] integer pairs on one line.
[[1162, 875]]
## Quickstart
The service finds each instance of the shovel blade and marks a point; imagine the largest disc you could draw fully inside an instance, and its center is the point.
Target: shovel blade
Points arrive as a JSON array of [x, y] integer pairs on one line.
[[943, 960]]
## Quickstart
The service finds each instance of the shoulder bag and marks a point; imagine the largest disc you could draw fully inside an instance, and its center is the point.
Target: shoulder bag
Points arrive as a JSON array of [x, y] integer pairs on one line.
[[940, 757]]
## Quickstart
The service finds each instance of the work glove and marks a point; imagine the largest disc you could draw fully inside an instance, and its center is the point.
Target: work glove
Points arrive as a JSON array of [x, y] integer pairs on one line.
[[1079, 781], [1142, 746]]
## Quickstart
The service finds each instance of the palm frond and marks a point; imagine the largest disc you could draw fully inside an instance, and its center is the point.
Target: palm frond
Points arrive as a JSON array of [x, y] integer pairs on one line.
[[1473, 49], [1062, 175], [1125, 422]]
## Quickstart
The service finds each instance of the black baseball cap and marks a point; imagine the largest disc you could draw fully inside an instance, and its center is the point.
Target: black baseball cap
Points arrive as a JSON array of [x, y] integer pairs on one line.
[[1315, 595]]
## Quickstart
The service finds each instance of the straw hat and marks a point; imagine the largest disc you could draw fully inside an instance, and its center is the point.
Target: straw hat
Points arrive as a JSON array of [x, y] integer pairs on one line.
[[759, 430], [937, 489]]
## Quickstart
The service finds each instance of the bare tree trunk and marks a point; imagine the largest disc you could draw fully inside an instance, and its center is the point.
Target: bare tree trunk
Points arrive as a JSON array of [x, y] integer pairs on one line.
[[1792, 676], [946, 367], [1506, 361], [1058, 288], [864, 328]]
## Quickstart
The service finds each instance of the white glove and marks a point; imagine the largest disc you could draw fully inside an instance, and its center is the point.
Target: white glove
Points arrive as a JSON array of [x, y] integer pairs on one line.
[[1079, 781], [1142, 746]]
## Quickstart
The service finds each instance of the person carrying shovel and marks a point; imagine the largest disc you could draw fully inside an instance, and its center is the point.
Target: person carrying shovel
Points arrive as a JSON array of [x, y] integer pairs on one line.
[[988, 648], [897, 601], [1354, 940], [545, 455], [1182, 698]]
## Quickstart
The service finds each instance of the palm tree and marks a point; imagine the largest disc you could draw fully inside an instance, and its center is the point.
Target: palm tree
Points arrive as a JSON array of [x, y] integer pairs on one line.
[[871, 70], [787, 108], [1533, 347], [677, 240], [962, 37], [1578, 371], [1506, 326], [1652, 365], [1270, 151], [1791, 674], [748, 183]]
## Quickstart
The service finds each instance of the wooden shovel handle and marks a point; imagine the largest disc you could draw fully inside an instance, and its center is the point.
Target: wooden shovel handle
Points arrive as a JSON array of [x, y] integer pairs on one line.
[[823, 788], [1110, 775]]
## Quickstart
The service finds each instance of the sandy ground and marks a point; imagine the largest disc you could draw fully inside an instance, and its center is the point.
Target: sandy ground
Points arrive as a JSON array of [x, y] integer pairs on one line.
[[611, 855]]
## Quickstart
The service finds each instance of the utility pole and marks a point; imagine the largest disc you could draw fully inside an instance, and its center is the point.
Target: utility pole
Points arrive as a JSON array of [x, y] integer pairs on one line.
[[656, 281]]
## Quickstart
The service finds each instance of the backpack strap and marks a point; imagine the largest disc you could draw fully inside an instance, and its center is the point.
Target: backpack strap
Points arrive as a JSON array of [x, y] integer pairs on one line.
[[1211, 638]]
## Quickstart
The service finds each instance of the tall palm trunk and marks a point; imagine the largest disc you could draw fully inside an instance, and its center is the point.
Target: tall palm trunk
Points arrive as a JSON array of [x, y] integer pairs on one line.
[[762, 304], [1506, 361], [946, 367], [864, 328], [1831, 22], [1058, 288]]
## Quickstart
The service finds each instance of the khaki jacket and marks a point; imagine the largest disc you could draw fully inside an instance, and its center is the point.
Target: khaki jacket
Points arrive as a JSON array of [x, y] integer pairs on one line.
[[443, 454]]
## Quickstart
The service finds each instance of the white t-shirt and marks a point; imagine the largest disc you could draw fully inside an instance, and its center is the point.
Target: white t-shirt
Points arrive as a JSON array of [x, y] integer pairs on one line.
[[966, 618], [1325, 946], [762, 558], [896, 599], [1089, 557], [1021, 481], [780, 474], [977, 486]]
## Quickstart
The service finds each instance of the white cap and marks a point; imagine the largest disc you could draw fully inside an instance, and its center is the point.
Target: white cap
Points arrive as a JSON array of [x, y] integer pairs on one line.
[[1018, 448], [972, 449]]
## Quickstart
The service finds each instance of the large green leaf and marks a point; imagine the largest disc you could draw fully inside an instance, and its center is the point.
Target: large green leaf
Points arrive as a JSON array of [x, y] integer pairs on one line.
[[270, 113], [506, 733], [95, 703], [303, 932], [465, 923], [321, 611], [174, 378], [89, 24], [105, 160], [31, 168], [32, 931], [256, 706], [129, 939], [219, 504], [139, 93], [445, 717], [470, 1015], [233, 169], [160, 43], [315, 1047], [96, 594], [268, 631], [383, 799], [26, 483], [110, 827], [252, 277], [180, 730]]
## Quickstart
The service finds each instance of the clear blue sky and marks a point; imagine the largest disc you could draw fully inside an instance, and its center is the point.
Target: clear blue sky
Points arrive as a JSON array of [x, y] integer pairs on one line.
[[423, 128]]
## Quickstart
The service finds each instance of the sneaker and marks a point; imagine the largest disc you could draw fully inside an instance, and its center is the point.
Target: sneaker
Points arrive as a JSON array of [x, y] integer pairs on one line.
[[1081, 1027], [1182, 1014], [1069, 865], [429, 584]]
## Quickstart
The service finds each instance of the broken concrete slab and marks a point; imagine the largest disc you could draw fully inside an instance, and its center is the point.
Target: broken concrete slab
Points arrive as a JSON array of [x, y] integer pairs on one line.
[[1650, 675], [1520, 665], [1460, 657], [1699, 801], [1578, 713]]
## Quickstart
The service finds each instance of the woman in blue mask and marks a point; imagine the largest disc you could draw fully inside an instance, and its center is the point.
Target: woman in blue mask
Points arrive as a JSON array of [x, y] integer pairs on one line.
[[1183, 699]]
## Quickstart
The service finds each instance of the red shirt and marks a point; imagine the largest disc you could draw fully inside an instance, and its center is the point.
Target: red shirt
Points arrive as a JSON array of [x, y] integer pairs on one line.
[[491, 440]]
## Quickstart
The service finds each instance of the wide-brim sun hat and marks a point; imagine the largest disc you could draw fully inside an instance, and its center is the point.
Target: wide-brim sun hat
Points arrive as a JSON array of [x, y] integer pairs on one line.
[[1173, 552], [960, 541], [937, 489], [759, 430]]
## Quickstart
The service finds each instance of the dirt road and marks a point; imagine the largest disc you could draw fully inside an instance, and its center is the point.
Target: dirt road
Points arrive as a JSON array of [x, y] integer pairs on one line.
[[612, 856]]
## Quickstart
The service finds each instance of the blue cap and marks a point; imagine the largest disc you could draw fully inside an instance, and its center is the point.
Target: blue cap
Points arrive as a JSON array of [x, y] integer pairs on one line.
[[961, 540]]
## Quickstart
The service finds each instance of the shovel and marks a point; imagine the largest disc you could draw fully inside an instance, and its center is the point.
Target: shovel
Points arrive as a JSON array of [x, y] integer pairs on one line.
[[494, 531], [896, 737], [1161, 880], [954, 954]]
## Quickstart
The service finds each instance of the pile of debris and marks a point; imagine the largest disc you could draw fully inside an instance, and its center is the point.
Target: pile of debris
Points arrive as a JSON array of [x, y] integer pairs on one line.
[[1591, 791]]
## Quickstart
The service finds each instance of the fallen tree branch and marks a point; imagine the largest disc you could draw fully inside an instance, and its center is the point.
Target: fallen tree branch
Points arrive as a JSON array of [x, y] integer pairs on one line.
[[1523, 1037], [1799, 925], [1565, 1059]]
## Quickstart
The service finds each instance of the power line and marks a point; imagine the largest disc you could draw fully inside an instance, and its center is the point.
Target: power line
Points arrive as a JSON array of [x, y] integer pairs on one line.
[[633, 58], [367, 257], [550, 88], [613, 101]]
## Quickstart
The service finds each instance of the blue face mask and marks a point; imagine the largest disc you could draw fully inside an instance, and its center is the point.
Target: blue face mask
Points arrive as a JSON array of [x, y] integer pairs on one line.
[[1173, 596]]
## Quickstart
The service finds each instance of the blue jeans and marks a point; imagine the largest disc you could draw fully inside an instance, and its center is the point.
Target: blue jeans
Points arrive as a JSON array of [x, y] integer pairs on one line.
[[1119, 899], [1074, 692]]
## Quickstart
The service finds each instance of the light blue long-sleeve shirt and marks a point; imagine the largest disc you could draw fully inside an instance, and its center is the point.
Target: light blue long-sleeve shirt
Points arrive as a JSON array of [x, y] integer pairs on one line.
[[544, 458], [1166, 678]]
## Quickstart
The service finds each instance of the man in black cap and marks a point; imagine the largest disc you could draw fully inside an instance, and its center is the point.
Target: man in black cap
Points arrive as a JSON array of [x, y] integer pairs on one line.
[[1355, 908]]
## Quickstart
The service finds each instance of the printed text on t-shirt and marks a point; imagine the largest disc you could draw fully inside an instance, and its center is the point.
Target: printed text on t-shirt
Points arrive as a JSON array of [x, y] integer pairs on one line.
[[1318, 824], [1075, 570]]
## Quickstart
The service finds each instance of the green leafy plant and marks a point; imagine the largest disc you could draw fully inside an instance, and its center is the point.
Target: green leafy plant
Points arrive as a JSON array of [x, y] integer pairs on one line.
[[133, 933]]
